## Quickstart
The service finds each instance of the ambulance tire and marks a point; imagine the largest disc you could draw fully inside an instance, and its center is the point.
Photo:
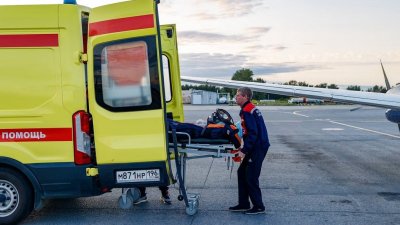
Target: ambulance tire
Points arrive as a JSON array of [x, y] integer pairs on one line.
[[16, 196]]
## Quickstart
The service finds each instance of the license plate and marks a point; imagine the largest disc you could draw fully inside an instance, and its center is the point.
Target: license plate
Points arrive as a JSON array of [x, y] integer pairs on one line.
[[128, 176]]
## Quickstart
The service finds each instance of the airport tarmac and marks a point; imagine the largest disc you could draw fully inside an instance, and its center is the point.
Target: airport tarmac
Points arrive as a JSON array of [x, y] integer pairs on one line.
[[326, 165]]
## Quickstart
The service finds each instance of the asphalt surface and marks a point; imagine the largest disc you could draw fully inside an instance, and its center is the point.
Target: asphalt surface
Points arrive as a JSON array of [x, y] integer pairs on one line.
[[326, 165]]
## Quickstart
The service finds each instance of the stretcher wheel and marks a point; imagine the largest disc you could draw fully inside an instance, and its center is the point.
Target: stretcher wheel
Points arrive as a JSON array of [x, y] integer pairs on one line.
[[192, 208], [135, 193], [180, 197], [126, 201]]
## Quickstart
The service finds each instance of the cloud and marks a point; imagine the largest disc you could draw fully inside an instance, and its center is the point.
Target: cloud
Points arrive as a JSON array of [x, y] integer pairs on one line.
[[281, 68], [257, 47], [238, 7], [204, 16], [224, 65], [279, 47], [198, 36], [258, 30], [228, 8], [211, 65]]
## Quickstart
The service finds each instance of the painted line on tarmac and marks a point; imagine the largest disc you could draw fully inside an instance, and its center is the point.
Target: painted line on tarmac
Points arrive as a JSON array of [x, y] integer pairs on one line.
[[364, 129], [332, 129], [285, 121], [298, 114]]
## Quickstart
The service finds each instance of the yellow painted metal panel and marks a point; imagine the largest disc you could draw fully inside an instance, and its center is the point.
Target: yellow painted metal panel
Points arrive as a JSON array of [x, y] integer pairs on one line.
[[41, 86], [38, 152], [131, 137], [128, 136], [71, 47], [169, 47], [30, 78], [122, 10], [25, 17]]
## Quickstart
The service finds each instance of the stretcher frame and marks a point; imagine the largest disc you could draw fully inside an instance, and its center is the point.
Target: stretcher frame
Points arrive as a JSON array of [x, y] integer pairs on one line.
[[180, 150], [197, 151]]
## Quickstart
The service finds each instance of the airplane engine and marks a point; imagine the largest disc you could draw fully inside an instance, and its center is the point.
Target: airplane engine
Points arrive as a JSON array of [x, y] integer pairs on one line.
[[393, 115]]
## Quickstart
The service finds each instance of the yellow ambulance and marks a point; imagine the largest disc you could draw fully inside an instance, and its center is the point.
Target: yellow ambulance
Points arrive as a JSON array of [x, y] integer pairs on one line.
[[84, 98]]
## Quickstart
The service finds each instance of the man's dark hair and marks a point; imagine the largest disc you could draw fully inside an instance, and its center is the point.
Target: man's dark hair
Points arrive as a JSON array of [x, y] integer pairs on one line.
[[245, 91]]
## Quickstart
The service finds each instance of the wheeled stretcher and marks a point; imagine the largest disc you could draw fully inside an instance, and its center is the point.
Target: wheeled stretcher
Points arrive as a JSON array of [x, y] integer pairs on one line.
[[181, 150], [197, 148], [216, 141]]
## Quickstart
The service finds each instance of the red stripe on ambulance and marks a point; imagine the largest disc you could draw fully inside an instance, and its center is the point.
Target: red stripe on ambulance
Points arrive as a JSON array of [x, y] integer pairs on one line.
[[35, 134], [121, 24], [28, 40]]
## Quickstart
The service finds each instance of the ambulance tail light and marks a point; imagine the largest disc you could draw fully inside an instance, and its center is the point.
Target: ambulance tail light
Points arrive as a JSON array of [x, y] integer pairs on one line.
[[81, 126]]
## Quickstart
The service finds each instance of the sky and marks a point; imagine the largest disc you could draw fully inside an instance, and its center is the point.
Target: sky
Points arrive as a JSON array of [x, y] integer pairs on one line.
[[316, 41]]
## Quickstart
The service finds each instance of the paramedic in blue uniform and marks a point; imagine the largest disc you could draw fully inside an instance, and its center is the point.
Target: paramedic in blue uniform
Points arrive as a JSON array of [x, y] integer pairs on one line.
[[253, 152]]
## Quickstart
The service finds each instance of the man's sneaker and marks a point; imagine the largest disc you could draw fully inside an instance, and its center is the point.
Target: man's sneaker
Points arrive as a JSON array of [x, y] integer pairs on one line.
[[140, 200], [239, 208], [166, 199], [254, 211]]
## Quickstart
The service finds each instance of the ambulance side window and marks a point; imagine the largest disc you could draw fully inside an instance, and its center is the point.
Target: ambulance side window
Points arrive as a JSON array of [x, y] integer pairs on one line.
[[84, 21], [167, 78], [126, 75]]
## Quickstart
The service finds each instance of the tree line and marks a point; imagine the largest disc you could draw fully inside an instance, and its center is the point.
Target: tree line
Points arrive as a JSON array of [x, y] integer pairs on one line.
[[245, 74]]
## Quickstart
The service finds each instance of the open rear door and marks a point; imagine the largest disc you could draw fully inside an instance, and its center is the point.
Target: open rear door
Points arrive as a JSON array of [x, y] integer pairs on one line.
[[125, 95], [172, 79]]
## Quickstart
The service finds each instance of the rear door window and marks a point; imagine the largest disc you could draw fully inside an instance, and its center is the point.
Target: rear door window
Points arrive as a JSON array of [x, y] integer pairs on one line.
[[127, 76]]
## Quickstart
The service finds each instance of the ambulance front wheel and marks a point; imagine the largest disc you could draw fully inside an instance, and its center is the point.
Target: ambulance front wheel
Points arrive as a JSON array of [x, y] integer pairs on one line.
[[16, 196]]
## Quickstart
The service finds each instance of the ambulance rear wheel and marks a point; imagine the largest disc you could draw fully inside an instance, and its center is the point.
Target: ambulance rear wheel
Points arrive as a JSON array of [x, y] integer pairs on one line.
[[16, 197]]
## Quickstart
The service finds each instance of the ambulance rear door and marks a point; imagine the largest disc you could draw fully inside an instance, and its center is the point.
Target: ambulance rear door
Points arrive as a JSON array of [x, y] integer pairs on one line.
[[172, 79], [125, 94]]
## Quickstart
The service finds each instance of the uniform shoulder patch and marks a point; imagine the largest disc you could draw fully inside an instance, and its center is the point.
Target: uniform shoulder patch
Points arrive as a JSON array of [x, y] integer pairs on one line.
[[249, 108]]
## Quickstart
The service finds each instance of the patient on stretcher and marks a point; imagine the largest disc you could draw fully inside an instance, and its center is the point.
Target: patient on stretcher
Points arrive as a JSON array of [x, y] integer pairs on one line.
[[220, 129]]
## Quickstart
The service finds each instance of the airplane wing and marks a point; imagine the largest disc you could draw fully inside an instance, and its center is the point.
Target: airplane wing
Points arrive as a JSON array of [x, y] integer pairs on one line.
[[389, 101]]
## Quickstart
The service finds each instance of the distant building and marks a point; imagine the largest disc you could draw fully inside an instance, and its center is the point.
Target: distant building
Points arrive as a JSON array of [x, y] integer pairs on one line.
[[200, 97], [223, 98], [305, 101], [187, 96]]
